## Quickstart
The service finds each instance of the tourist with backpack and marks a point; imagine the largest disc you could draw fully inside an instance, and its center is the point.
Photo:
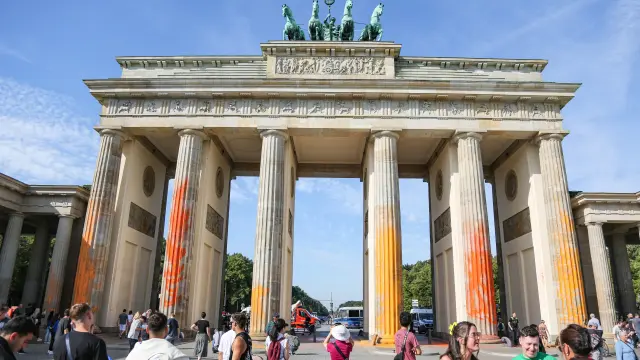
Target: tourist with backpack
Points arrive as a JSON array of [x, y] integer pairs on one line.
[[292, 339], [276, 343]]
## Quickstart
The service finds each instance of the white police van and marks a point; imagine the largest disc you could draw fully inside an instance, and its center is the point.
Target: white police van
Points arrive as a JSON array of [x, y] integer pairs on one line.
[[422, 319]]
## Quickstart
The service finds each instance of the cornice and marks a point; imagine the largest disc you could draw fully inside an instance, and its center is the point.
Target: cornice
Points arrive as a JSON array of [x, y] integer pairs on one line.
[[58, 190], [605, 198], [183, 61], [13, 184], [536, 65]]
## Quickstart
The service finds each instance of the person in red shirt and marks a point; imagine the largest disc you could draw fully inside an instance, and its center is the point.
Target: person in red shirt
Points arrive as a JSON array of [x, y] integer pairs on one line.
[[406, 337], [341, 346]]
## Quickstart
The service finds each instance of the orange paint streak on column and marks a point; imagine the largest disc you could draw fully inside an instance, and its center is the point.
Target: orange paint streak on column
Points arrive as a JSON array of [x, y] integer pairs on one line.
[[174, 297], [388, 247], [567, 275], [480, 290], [96, 236]]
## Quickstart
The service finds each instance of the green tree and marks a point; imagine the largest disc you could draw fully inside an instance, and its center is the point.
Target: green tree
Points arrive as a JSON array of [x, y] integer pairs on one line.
[[310, 303], [634, 262], [237, 281], [416, 284], [496, 283], [351, 303], [20, 269]]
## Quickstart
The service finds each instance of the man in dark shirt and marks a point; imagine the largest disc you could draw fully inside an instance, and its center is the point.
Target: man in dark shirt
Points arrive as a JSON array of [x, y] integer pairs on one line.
[[122, 323], [174, 329], [15, 335], [83, 345], [64, 327]]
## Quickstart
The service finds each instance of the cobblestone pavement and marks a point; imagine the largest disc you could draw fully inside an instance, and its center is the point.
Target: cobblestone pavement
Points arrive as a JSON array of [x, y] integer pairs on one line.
[[118, 350]]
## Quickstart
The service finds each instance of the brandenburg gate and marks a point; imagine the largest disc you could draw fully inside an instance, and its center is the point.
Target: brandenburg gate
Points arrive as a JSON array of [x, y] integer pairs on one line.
[[333, 109]]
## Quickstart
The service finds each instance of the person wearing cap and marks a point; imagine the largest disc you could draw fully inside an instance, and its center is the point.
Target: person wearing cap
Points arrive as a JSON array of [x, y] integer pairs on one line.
[[271, 323], [341, 348]]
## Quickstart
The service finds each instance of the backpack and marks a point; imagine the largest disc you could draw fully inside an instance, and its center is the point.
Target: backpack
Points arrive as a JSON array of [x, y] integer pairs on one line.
[[294, 341], [273, 353]]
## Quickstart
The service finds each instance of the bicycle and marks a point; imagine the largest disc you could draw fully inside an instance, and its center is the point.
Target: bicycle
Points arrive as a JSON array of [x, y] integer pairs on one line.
[[605, 349]]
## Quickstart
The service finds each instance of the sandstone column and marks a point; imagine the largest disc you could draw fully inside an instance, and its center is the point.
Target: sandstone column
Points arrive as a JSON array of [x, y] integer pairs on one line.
[[10, 244], [481, 305], [388, 235], [604, 287], [58, 263], [37, 262], [622, 273], [567, 274], [178, 255], [265, 293], [96, 236]]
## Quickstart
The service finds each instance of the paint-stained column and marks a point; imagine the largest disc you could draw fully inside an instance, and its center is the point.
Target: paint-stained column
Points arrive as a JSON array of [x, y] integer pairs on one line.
[[478, 268], [96, 236], [37, 263], [58, 263], [388, 235], [8, 253], [567, 274], [623, 273], [604, 287], [178, 255], [265, 293]]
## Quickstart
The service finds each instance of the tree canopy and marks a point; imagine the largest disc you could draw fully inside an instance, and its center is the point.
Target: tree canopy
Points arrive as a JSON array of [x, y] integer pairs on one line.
[[351, 303], [416, 284], [237, 281], [310, 303]]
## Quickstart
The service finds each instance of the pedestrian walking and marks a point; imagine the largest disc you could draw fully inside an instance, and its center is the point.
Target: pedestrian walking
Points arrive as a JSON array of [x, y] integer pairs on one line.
[[624, 347], [341, 348], [49, 327], [224, 350], [241, 346], [14, 335], [593, 320], [123, 319], [156, 347], [595, 338], [574, 343], [530, 342], [215, 340], [513, 329], [271, 323], [174, 329], [81, 343], [63, 328], [463, 342], [407, 346], [134, 331], [544, 333], [202, 337], [276, 343]]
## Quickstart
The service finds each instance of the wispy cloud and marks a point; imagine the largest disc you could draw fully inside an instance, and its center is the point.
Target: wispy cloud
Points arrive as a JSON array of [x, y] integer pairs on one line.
[[350, 197], [43, 140], [8, 51]]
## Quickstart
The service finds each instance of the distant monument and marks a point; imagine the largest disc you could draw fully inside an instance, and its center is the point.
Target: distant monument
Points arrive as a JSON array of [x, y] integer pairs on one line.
[[327, 30]]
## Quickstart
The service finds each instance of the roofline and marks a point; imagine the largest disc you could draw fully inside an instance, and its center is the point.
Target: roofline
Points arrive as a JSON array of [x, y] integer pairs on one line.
[[585, 198]]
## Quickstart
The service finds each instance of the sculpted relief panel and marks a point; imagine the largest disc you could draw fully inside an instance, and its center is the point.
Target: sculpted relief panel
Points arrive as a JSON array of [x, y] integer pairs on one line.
[[330, 66], [330, 107]]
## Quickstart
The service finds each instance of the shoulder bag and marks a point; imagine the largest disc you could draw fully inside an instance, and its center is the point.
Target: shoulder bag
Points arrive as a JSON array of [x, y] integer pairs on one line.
[[66, 342], [400, 356], [340, 352]]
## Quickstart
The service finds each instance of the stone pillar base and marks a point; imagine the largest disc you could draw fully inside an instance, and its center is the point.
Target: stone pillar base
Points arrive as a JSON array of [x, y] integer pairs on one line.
[[490, 339], [258, 337]]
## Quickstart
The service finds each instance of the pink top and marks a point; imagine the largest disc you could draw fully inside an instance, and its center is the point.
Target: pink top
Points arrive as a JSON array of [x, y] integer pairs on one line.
[[345, 347], [412, 343]]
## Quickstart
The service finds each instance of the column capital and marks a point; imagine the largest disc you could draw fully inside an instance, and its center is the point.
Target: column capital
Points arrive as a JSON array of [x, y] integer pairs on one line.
[[594, 223], [385, 133], [113, 132], [274, 132], [186, 132], [17, 214], [460, 135], [67, 216], [549, 136]]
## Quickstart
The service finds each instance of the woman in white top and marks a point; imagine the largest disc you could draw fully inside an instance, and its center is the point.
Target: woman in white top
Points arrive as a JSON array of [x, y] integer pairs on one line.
[[277, 344]]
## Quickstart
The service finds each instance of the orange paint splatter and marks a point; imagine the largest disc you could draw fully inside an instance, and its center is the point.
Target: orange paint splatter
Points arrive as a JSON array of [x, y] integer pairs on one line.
[[174, 272], [480, 288], [86, 271], [259, 298], [388, 275], [566, 261]]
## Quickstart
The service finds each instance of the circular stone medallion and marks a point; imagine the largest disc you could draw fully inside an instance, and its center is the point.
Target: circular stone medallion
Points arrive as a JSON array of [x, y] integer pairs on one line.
[[148, 181], [511, 185], [219, 182], [439, 185]]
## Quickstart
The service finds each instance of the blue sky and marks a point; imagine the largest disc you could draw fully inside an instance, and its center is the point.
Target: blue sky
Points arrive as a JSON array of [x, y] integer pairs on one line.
[[47, 114]]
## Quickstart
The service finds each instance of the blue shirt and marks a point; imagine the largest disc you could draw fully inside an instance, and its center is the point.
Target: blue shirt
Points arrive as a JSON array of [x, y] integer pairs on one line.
[[624, 351]]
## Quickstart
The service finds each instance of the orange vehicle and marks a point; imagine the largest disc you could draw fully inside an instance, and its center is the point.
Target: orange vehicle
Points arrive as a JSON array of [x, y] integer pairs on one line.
[[302, 319]]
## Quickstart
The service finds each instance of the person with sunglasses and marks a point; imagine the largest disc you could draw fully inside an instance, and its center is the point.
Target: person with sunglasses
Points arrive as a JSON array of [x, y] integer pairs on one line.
[[224, 349]]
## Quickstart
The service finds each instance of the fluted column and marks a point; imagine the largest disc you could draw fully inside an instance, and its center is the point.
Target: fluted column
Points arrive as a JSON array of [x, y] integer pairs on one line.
[[8, 253], [388, 235], [623, 273], [58, 262], [565, 258], [37, 263], [265, 292], [481, 305], [604, 287], [178, 255], [96, 236]]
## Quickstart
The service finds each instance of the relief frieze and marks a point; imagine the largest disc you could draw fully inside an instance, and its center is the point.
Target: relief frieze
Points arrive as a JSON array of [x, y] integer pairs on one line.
[[330, 66], [440, 109], [517, 225], [442, 225], [215, 222], [142, 220]]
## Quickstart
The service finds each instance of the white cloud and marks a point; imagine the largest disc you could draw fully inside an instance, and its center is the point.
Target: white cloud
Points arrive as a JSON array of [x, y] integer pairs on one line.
[[349, 196], [43, 140]]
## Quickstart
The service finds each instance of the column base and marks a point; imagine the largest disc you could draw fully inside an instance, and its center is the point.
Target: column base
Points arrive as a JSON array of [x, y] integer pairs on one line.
[[385, 339], [490, 339], [258, 337]]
